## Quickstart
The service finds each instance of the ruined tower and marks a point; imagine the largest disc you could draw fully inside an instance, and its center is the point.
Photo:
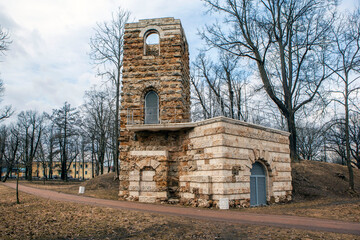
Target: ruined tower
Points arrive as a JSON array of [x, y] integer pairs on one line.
[[155, 85], [167, 158], [156, 72]]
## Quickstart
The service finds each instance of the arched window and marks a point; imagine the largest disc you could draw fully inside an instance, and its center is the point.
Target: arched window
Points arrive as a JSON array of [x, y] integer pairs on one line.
[[151, 108], [152, 43]]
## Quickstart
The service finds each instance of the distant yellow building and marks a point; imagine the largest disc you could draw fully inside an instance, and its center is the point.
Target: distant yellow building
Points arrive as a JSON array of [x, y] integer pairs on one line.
[[13, 173], [77, 170]]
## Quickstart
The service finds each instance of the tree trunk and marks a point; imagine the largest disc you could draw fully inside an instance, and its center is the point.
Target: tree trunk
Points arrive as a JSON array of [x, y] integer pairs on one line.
[[292, 130], [17, 187], [50, 160], [92, 158], [83, 162], [74, 169], [63, 171], [30, 171], [117, 131], [347, 138], [7, 174]]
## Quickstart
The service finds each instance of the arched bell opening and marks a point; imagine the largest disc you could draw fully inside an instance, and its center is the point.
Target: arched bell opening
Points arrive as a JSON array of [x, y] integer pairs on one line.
[[152, 43]]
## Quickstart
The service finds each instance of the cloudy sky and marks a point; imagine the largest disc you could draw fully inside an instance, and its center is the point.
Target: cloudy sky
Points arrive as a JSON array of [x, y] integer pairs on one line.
[[48, 61]]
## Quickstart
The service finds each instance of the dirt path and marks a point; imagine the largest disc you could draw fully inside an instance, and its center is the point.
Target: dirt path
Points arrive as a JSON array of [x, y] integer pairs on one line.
[[206, 214]]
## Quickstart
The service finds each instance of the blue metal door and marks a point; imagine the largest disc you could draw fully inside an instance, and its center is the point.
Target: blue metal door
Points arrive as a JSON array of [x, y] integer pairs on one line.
[[257, 185]]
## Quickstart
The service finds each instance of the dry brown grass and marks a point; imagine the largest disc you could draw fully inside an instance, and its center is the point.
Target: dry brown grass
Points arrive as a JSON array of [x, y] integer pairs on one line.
[[37, 218], [345, 209], [313, 180], [318, 191], [103, 186]]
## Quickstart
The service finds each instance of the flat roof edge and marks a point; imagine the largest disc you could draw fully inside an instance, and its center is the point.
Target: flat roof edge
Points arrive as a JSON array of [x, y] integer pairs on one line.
[[161, 127], [241, 123], [188, 125]]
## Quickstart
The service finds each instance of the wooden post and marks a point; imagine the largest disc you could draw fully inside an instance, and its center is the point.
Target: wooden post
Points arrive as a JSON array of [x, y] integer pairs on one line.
[[17, 187]]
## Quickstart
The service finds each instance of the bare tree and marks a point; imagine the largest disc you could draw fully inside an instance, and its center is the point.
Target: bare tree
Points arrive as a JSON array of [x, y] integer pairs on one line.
[[3, 137], [67, 121], [346, 66], [42, 160], [49, 144], [7, 111], [354, 132], [218, 87], [5, 41], [335, 139], [31, 130], [12, 153], [98, 113], [310, 141], [287, 41], [107, 53]]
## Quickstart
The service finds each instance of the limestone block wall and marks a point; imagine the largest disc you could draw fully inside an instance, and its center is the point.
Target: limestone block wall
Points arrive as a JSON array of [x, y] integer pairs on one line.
[[223, 152]]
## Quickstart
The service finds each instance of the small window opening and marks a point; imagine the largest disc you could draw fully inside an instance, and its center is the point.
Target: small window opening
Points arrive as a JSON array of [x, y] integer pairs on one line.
[[151, 108], [152, 43]]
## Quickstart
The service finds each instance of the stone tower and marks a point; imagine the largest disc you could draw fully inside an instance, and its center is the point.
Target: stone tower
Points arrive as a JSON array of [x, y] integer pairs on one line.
[[167, 158], [156, 60], [155, 85]]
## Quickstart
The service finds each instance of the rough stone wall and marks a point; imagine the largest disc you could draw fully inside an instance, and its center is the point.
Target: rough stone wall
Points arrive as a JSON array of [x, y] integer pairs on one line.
[[166, 73], [223, 152], [162, 153]]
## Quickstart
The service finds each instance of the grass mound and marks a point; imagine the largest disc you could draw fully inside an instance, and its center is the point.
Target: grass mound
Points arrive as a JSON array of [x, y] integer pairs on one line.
[[313, 180], [106, 181]]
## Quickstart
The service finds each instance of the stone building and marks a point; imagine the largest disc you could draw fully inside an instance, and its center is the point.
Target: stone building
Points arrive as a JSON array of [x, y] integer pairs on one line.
[[167, 158]]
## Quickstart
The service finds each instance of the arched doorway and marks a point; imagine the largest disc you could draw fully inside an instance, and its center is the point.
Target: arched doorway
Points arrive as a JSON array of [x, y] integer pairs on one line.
[[257, 185], [151, 108]]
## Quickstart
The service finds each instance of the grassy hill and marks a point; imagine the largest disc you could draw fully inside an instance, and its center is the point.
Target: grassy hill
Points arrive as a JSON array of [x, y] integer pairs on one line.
[[105, 181], [313, 179]]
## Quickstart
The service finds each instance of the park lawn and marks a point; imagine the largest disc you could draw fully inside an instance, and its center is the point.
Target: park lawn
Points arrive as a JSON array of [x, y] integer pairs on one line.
[[92, 187], [38, 218], [344, 209]]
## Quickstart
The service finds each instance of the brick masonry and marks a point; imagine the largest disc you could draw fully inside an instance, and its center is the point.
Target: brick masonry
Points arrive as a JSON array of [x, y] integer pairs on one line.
[[195, 163]]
